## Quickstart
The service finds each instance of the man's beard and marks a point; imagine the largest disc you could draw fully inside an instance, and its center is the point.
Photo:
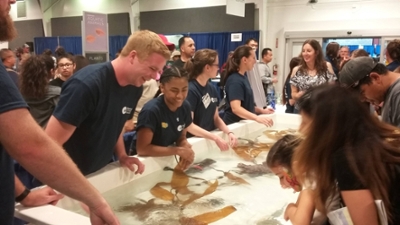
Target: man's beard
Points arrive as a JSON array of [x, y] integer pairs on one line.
[[7, 29]]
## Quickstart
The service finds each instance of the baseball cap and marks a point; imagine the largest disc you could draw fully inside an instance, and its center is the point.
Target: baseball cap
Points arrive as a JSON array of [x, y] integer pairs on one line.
[[171, 46], [175, 53], [355, 70]]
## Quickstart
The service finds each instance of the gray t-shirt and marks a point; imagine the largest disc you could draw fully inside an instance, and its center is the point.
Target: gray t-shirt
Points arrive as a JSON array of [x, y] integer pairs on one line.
[[391, 105], [266, 76], [42, 109]]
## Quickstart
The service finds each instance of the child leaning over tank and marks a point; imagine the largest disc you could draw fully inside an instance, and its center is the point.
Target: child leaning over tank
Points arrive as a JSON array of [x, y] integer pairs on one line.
[[279, 160]]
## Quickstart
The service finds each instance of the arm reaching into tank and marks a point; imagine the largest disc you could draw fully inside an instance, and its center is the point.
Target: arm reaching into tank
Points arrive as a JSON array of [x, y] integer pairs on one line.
[[48, 162]]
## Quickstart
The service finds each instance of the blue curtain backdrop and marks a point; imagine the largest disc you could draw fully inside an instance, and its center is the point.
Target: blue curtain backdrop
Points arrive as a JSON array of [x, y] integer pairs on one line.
[[72, 44], [221, 42], [116, 43], [42, 43]]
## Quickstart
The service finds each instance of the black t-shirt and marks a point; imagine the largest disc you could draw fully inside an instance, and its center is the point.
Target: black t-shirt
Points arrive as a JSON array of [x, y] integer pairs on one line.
[[238, 87], [179, 63], [94, 102], [288, 95], [203, 104], [348, 181], [57, 82], [167, 126], [10, 99]]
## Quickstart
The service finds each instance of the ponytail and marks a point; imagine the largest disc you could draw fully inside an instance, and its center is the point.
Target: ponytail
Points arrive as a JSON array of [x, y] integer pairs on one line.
[[189, 67], [234, 63]]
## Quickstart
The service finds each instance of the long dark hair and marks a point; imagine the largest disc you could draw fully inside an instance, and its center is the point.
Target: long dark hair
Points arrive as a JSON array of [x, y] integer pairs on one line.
[[49, 63], [320, 64], [34, 78], [371, 147], [393, 49], [332, 50], [200, 59], [295, 61], [234, 62]]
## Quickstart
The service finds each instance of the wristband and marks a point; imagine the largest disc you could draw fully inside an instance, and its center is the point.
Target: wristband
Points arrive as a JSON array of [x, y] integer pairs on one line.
[[23, 195], [230, 132]]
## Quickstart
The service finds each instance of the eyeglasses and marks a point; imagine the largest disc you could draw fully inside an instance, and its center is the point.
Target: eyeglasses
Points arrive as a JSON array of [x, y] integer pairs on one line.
[[67, 65], [214, 64]]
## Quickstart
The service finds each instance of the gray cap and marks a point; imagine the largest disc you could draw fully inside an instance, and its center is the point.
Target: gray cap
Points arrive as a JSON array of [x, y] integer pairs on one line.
[[355, 70]]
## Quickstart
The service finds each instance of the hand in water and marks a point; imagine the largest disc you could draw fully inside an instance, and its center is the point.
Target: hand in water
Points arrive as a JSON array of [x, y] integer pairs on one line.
[[265, 120], [222, 144], [186, 154], [232, 140], [101, 214], [129, 161]]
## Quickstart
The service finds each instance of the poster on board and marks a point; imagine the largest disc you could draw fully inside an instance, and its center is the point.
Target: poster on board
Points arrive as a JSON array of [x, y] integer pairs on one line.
[[95, 36]]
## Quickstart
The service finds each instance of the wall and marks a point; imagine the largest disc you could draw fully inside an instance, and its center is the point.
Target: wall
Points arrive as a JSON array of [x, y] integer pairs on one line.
[[118, 24], [329, 18], [27, 31], [73, 8], [33, 11], [155, 5], [260, 21], [213, 19], [28, 27]]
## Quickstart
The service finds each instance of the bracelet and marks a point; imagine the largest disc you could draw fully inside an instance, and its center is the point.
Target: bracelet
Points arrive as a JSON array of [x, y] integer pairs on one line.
[[230, 132], [23, 195]]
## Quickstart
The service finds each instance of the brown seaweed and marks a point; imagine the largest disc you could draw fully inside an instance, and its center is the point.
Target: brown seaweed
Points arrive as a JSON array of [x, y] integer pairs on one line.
[[235, 179], [242, 151], [211, 217], [159, 192], [179, 184], [180, 181], [208, 191], [276, 135], [251, 149]]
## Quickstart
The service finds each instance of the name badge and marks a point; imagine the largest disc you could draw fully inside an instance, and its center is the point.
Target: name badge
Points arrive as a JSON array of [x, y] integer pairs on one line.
[[206, 100]]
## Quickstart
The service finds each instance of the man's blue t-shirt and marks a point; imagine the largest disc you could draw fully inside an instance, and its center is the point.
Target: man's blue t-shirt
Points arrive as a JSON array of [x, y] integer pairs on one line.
[[94, 102], [203, 104], [238, 87], [167, 126], [10, 99], [393, 65]]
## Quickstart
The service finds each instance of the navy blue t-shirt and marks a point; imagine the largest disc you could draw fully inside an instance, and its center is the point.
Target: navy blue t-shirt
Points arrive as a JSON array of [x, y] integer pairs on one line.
[[347, 180], [10, 99], [288, 95], [238, 87], [167, 126], [203, 104], [94, 102]]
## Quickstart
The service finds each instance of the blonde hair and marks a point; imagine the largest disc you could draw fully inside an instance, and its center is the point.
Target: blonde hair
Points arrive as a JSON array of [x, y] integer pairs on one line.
[[145, 43]]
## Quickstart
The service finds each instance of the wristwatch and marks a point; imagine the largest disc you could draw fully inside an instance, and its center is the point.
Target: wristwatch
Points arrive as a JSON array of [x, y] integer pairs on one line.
[[23, 195]]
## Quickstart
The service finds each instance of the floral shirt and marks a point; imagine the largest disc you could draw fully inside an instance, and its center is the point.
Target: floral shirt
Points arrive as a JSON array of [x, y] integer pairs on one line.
[[303, 81]]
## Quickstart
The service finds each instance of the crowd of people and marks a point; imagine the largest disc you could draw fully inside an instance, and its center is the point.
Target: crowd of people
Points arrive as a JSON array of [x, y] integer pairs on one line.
[[84, 116]]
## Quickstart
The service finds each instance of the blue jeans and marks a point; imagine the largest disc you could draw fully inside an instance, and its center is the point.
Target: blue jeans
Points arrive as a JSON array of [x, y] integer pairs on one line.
[[271, 100]]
